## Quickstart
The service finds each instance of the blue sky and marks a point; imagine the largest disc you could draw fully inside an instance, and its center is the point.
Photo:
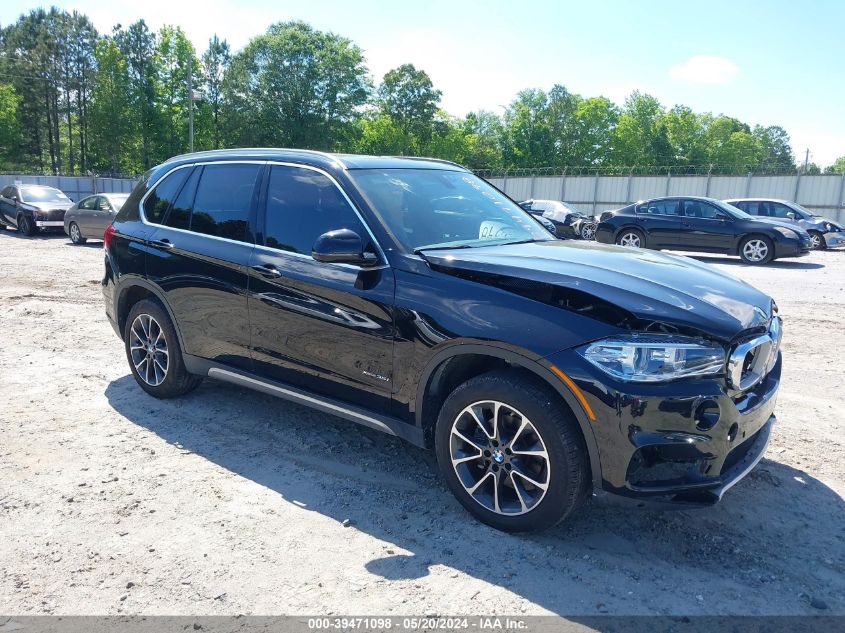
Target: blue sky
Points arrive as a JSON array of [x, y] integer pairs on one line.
[[768, 62]]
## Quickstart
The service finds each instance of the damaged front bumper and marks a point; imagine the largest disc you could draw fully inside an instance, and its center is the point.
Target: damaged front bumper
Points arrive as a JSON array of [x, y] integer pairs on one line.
[[682, 443]]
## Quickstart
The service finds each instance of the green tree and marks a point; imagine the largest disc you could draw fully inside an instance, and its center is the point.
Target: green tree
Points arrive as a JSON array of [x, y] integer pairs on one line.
[[174, 54], [838, 166], [215, 61], [380, 135], [484, 137], [685, 133], [295, 86], [409, 98], [10, 128], [111, 132], [528, 141], [640, 137], [138, 46], [594, 122], [776, 151]]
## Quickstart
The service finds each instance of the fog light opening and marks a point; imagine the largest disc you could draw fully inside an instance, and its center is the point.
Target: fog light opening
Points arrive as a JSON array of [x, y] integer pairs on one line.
[[706, 415]]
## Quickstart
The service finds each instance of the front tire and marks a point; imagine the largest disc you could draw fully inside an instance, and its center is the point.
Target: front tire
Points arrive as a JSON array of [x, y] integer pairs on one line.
[[631, 237], [76, 234], [757, 249], [152, 348], [26, 226], [818, 241], [511, 452]]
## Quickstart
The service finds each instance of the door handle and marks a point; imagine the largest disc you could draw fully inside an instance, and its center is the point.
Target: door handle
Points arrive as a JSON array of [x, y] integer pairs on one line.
[[165, 244], [267, 270]]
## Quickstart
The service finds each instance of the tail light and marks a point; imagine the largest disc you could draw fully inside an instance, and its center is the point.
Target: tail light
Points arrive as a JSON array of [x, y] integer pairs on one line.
[[108, 235]]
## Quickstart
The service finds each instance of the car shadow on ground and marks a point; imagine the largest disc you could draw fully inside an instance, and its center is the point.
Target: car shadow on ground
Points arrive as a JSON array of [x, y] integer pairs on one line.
[[391, 490], [41, 235], [778, 263]]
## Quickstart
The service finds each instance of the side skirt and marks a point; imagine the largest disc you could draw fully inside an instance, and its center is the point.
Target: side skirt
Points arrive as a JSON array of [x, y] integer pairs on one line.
[[383, 423]]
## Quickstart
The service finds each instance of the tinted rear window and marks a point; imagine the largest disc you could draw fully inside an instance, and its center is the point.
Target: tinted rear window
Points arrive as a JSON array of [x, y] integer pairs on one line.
[[159, 200], [223, 200]]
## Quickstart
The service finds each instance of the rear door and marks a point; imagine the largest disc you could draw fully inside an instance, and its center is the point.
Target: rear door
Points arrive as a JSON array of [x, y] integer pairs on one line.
[[199, 254], [7, 205], [661, 222], [325, 327], [707, 227], [85, 215]]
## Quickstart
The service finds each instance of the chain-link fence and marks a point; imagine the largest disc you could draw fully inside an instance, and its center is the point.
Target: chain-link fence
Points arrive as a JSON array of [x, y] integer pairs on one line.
[[643, 170]]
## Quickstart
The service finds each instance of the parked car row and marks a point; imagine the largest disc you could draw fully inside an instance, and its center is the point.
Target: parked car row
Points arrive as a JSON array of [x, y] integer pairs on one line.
[[758, 230], [34, 208]]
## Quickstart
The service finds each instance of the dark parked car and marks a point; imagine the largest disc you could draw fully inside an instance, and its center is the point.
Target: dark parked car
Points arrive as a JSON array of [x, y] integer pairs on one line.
[[89, 217], [410, 296], [824, 233], [701, 225], [32, 208], [568, 221]]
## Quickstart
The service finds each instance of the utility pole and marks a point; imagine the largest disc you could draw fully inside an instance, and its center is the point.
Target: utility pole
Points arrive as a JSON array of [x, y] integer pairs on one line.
[[190, 106], [806, 160]]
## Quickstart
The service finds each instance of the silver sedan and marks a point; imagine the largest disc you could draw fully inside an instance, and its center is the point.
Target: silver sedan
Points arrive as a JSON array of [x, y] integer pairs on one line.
[[89, 217]]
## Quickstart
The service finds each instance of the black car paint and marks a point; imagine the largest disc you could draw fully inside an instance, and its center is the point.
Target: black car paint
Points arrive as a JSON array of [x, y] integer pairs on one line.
[[12, 209], [696, 234], [376, 343]]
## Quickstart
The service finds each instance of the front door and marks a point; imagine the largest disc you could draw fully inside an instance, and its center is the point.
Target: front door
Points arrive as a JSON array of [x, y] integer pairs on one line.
[[707, 228], [199, 253], [324, 327], [85, 217]]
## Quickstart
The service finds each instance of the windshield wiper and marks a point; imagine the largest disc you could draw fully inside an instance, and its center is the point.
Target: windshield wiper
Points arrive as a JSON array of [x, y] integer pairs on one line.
[[419, 250], [528, 241]]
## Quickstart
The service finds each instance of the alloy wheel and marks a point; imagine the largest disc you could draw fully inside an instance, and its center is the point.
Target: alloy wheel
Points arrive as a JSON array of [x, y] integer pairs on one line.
[[755, 250], [148, 348], [816, 240], [499, 457], [588, 231], [74, 233], [630, 239]]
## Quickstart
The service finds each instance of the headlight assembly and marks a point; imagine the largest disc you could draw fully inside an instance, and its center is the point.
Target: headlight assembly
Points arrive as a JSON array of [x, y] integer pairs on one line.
[[655, 358], [786, 232]]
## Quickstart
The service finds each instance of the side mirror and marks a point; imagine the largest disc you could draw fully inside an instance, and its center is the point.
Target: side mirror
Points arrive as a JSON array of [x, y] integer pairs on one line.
[[343, 246], [790, 215]]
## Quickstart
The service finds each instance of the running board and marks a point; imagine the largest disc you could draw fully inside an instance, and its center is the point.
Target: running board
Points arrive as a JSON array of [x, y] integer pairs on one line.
[[385, 424]]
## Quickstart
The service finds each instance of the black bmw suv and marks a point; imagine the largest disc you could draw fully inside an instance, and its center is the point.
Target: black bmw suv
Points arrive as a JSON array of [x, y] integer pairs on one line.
[[410, 296]]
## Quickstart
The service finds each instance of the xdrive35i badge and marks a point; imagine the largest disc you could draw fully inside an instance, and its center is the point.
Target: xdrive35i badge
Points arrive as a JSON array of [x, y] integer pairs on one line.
[[377, 376]]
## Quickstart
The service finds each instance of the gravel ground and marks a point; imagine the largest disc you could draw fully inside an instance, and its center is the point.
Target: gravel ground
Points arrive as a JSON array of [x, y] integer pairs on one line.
[[228, 501]]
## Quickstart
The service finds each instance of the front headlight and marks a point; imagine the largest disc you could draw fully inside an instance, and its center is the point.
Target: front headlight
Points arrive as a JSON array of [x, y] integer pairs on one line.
[[786, 232], [828, 227], [655, 358]]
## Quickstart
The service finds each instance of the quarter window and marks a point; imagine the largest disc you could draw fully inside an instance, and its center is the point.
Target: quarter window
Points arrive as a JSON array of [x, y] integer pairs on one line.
[[223, 199], [302, 204], [179, 216], [157, 203]]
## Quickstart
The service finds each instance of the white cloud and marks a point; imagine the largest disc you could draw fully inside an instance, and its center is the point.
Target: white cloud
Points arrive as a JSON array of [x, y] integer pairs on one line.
[[705, 69]]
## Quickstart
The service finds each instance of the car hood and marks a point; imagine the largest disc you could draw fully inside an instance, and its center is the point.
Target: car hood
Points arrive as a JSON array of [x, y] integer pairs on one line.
[[49, 206], [784, 223], [655, 288]]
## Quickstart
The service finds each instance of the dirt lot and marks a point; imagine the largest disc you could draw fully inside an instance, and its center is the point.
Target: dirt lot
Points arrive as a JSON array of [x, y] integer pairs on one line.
[[228, 501]]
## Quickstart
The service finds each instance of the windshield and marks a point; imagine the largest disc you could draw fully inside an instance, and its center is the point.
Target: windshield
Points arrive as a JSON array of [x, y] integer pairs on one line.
[[733, 211], [42, 194], [117, 201], [430, 208], [804, 211]]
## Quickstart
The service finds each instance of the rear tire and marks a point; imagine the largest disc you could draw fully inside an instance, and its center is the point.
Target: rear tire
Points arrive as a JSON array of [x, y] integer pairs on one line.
[[633, 238], [153, 351], [756, 249], [26, 226], [76, 234], [512, 480]]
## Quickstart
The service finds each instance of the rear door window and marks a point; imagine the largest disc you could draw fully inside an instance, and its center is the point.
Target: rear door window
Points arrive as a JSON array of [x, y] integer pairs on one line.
[[223, 201], [160, 198], [179, 216], [89, 203], [660, 207]]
